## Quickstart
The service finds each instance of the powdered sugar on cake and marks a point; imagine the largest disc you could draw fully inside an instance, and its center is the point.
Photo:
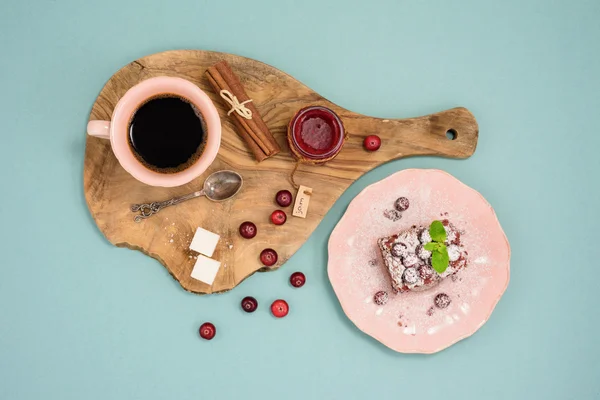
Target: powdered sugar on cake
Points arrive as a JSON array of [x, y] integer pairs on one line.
[[409, 263]]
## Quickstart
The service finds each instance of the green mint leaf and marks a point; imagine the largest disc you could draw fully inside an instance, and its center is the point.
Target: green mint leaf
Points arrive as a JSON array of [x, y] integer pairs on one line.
[[440, 261], [431, 246], [437, 232], [442, 248]]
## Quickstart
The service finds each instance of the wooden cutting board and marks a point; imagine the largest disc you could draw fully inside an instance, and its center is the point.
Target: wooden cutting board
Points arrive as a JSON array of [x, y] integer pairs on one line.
[[109, 190]]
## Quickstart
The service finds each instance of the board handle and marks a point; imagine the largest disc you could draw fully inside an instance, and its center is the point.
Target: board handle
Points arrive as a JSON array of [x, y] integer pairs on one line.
[[452, 133]]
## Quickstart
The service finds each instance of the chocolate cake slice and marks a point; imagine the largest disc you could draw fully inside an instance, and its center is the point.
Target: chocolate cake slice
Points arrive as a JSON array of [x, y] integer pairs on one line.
[[409, 263]]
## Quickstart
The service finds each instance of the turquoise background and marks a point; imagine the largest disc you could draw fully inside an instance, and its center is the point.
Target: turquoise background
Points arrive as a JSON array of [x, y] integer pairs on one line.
[[81, 319]]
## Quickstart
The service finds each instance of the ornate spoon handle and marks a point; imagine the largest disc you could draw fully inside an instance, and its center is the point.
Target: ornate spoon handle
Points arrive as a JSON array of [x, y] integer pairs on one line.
[[147, 210]]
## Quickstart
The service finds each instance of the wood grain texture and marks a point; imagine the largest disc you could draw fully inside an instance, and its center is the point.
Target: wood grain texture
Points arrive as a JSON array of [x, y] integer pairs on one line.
[[109, 190]]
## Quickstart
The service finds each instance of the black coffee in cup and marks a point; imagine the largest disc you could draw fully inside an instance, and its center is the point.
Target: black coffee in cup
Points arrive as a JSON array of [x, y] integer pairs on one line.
[[167, 134]]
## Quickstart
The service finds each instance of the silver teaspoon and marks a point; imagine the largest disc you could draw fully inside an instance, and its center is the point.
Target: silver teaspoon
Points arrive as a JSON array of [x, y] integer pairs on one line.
[[219, 186]]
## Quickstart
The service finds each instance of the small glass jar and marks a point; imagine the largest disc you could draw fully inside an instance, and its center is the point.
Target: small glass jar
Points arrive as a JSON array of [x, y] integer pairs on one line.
[[316, 134]]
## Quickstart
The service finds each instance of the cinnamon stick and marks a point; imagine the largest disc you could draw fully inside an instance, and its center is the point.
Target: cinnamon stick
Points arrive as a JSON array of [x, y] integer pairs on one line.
[[218, 80], [259, 154], [254, 131]]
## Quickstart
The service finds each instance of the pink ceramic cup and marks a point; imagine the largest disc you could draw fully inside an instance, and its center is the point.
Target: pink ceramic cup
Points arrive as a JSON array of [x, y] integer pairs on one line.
[[116, 130]]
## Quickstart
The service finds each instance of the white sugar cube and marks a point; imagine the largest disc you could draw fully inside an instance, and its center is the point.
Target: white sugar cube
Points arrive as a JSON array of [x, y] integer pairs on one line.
[[205, 269], [204, 242]]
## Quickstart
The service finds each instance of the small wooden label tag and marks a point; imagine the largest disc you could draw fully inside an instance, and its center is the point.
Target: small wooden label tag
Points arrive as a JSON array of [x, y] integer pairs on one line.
[[302, 200]]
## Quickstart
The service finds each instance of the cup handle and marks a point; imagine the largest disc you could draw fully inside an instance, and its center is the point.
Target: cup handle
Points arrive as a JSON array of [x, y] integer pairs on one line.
[[99, 129]]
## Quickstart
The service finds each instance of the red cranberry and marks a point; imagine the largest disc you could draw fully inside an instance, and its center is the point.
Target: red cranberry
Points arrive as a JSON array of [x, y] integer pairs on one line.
[[380, 298], [372, 143], [422, 253], [410, 276], [410, 260], [207, 331], [424, 236], [426, 272], [399, 250], [284, 198], [249, 304], [268, 257], [442, 300], [280, 308], [297, 279], [453, 252], [402, 204], [278, 217], [247, 230]]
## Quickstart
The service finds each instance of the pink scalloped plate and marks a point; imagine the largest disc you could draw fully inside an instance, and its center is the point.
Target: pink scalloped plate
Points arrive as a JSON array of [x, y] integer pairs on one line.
[[356, 269]]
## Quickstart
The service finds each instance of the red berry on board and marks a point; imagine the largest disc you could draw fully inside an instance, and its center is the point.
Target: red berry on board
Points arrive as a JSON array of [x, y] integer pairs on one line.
[[207, 331], [297, 279], [372, 143], [268, 257], [278, 217], [249, 304], [280, 308], [247, 230], [284, 198]]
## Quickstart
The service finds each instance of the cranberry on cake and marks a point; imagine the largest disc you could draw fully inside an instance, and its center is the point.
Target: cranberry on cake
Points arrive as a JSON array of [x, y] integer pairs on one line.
[[418, 258]]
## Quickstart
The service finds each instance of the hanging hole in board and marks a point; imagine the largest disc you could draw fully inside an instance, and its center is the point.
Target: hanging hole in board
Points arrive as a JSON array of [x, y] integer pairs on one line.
[[451, 134]]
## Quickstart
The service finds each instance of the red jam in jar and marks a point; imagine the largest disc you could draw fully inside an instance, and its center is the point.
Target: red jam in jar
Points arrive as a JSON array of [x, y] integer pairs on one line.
[[316, 134]]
